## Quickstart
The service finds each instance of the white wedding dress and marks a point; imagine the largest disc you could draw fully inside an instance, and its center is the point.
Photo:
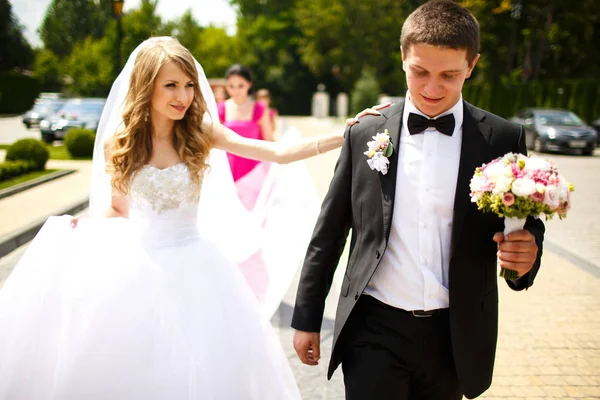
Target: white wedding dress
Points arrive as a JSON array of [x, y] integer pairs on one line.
[[139, 308]]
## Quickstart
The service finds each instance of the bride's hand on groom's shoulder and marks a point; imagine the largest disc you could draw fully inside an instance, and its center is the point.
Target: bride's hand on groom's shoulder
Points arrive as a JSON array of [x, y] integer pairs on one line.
[[308, 347], [367, 111]]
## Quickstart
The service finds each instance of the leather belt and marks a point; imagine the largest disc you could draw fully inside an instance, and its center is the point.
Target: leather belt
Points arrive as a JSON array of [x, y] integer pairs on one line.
[[415, 313], [428, 314]]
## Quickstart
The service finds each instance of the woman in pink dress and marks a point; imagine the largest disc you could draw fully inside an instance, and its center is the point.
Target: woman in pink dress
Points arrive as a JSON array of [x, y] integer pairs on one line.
[[242, 114], [264, 96], [278, 198]]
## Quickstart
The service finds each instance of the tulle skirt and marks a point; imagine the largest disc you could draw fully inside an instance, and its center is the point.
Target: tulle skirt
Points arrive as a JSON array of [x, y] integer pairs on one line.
[[101, 312]]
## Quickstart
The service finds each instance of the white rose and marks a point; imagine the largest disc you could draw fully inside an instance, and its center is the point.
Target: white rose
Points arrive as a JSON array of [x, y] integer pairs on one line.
[[563, 189], [536, 163], [494, 170], [501, 185], [523, 187], [379, 162], [551, 197]]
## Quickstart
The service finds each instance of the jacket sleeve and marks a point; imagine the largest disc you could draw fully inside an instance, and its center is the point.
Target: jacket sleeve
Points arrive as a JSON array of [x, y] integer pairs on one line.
[[536, 227], [326, 246]]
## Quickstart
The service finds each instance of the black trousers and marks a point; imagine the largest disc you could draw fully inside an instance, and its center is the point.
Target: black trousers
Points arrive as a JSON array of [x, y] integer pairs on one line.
[[387, 353]]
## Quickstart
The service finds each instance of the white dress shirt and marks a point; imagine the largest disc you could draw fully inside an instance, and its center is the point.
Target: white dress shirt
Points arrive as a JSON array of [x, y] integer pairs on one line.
[[413, 273]]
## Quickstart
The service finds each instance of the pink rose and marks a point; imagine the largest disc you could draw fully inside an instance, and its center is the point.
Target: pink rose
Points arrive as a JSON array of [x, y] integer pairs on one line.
[[508, 199], [537, 197]]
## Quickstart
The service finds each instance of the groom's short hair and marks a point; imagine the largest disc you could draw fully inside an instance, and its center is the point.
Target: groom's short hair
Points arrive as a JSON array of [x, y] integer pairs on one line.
[[442, 23]]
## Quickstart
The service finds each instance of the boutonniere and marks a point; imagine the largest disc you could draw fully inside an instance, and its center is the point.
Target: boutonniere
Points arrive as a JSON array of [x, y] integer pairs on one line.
[[380, 149]]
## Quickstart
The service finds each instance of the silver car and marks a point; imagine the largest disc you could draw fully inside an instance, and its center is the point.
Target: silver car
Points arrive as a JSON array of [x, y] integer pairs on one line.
[[556, 130], [75, 113], [43, 108]]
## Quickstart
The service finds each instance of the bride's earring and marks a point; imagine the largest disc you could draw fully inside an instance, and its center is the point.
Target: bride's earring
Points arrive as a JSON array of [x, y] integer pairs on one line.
[[146, 115]]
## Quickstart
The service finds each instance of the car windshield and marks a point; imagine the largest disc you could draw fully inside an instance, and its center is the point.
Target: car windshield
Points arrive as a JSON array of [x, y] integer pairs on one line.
[[46, 107], [73, 109], [564, 118]]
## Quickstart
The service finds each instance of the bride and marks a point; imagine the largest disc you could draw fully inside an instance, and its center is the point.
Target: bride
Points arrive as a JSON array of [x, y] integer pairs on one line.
[[149, 304]]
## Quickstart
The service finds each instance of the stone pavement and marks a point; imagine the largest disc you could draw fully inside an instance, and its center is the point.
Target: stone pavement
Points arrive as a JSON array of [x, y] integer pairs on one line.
[[549, 340], [579, 232], [23, 208], [548, 348]]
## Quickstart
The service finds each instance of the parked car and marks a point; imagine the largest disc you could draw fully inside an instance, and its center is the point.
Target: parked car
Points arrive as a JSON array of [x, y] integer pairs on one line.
[[556, 130], [596, 125], [42, 109], [75, 113]]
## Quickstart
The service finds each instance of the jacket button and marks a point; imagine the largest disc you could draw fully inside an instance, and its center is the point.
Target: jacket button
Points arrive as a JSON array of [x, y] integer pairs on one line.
[[377, 254], [356, 296]]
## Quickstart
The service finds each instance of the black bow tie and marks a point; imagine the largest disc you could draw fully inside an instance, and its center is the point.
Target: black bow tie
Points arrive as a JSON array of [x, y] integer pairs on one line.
[[418, 123]]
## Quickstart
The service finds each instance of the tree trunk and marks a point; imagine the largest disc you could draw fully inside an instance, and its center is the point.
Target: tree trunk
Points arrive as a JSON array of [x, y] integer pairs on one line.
[[542, 43]]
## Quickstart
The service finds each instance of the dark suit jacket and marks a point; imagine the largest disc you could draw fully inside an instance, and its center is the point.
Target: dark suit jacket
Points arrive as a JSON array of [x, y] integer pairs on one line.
[[363, 199]]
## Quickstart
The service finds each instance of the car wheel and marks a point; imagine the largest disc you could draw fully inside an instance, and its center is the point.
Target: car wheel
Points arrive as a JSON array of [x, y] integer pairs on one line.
[[27, 125], [48, 139], [538, 145], [587, 152]]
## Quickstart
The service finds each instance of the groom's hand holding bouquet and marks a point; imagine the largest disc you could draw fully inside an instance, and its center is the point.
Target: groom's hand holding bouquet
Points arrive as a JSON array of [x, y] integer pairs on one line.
[[516, 187]]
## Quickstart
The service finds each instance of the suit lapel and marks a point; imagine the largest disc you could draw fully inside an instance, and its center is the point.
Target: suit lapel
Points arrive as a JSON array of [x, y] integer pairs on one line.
[[475, 150], [392, 123]]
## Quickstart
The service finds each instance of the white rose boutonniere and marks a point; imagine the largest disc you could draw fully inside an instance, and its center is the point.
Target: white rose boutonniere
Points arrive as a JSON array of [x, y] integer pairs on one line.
[[380, 149]]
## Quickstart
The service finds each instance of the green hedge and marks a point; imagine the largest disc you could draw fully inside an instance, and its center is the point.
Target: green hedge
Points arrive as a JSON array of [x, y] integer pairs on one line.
[[80, 142], [17, 92], [30, 150], [580, 96], [12, 169]]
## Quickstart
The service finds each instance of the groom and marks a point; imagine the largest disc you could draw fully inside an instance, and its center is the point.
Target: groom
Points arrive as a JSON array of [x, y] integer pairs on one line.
[[418, 313]]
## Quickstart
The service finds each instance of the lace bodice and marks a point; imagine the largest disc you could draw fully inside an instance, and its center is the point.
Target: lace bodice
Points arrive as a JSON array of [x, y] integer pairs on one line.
[[164, 202]]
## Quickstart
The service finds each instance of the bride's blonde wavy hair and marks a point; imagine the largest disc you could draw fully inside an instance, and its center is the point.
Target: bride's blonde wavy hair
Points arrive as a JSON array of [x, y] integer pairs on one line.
[[131, 147]]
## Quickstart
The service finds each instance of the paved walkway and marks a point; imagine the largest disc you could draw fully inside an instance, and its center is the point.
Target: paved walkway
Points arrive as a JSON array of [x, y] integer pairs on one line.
[[18, 210], [549, 341]]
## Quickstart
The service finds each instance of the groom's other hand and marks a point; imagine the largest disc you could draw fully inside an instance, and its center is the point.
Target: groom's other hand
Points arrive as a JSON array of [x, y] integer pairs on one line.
[[517, 251], [308, 347]]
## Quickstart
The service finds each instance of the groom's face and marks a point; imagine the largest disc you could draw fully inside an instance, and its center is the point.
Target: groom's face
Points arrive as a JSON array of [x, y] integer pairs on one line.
[[435, 76]]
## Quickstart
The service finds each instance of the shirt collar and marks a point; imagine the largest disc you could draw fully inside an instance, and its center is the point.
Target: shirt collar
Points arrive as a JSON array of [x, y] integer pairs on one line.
[[457, 110]]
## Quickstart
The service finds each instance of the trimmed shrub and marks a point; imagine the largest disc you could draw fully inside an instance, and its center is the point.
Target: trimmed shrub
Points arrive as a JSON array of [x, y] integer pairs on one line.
[[80, 142], [12, 169], [31, 150]]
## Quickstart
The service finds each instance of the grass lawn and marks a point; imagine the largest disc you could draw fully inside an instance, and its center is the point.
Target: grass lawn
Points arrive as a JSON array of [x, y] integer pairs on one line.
[[56, 153], [25, 178]]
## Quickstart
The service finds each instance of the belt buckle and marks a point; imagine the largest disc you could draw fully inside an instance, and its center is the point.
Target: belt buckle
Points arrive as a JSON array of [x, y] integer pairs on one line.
[[418, 315]]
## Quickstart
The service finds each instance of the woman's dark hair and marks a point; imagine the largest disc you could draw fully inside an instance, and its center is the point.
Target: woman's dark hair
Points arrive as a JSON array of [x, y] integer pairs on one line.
[[239, 70]]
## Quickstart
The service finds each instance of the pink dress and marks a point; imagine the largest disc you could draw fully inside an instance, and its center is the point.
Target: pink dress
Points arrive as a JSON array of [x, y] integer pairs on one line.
[[240, 166], [283, 199]]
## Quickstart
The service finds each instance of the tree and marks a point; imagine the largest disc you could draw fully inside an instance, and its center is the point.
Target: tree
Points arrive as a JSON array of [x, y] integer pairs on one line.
[[537, 39], [343, 36], [47, 68], [187, 30], [69, 21], [267, 35], [139, 25], [15, 51], [366, 91], [90, 67], [215, 50]]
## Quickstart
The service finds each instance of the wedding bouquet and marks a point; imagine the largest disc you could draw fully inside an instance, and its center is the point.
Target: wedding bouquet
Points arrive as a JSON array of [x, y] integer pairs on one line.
[[516, 187]]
